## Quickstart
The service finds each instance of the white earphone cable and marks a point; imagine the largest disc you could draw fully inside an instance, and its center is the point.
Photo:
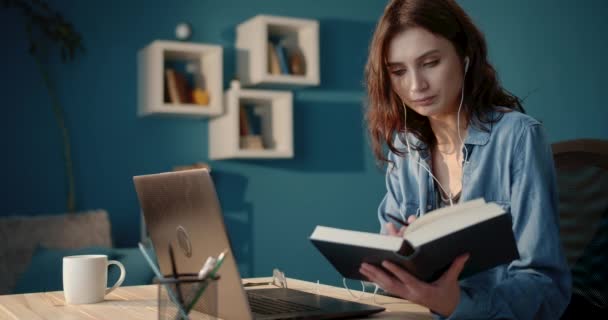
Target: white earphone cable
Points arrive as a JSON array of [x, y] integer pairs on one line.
[[462, 146], [356, 297], [407, 141]]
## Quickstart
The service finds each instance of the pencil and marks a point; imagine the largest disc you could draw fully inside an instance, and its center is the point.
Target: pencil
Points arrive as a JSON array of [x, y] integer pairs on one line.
[[162, 280], [401, 221], [175, 275]]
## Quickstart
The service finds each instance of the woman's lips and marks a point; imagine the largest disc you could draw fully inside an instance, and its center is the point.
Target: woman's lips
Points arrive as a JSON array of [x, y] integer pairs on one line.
[[425, 101]]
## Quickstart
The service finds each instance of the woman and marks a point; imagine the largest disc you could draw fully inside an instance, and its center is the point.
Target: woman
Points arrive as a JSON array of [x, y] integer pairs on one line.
[[454, 134]]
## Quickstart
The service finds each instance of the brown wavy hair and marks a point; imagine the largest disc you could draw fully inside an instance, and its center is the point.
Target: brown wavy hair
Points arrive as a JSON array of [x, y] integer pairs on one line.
[[483, 91]]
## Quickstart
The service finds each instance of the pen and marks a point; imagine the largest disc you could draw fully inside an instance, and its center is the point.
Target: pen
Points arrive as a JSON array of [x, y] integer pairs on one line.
[[401, 221], [212, 276]]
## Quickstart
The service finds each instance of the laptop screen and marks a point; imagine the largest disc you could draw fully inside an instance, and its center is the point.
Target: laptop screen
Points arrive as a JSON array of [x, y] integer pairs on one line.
[[182, 209]]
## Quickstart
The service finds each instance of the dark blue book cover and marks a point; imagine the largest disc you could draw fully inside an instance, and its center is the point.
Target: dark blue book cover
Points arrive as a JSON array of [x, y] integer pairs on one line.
[[254, 120], [282, 54]]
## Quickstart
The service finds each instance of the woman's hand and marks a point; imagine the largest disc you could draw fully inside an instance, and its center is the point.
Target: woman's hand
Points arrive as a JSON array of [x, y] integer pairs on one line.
[[441, 296], [392, 229]]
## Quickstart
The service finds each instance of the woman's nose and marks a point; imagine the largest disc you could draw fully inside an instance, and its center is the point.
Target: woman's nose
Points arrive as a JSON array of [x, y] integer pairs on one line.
[[417, 82]]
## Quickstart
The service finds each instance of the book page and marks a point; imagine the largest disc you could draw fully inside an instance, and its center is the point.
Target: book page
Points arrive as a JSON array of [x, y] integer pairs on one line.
[[357, 238], [439, 213], [452, 222]]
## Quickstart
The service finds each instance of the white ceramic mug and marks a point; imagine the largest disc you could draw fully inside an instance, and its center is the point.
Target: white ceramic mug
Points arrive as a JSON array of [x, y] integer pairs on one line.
[[85, 278]]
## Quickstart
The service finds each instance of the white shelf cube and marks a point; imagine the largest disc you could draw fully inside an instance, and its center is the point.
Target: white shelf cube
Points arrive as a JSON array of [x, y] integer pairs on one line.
[[151, 78], [224, 131], [252, 49]]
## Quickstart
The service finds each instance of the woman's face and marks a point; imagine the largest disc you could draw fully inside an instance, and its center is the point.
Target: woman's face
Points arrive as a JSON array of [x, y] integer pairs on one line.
[[426, 72]]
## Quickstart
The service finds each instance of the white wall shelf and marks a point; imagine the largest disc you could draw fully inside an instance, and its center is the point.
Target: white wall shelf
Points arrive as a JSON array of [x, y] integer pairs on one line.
[[253, 55], [152, 59], [276, 123]]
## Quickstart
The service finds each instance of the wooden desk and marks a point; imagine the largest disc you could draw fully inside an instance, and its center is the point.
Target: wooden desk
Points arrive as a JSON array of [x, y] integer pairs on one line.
[[139, 302]]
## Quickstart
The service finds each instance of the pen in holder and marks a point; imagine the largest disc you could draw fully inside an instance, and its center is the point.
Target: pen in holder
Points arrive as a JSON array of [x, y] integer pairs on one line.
[[179, 293], [193, 291]]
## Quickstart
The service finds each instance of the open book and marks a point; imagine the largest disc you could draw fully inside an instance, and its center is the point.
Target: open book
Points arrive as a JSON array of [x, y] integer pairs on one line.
[[429, 245]]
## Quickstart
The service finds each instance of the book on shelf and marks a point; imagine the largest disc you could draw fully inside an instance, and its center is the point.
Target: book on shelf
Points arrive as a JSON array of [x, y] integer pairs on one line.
[[297, 63], [183, 88], [273, 60], [243, 122], [171, 84], [429, 245], [177, 87], [250, 127], [254, 118], [250, 118], [282, 56]]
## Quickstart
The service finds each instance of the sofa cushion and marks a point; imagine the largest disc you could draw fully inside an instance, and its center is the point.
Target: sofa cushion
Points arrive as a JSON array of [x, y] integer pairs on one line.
[[45, 270], [138, 270], [20, 235]]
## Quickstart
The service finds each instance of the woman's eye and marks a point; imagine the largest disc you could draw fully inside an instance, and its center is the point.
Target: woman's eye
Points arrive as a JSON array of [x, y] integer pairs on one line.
[[431, 63], [398, 72]]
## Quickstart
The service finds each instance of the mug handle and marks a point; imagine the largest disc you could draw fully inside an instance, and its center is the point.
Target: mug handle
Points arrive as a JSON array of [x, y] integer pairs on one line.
[[120, 279]]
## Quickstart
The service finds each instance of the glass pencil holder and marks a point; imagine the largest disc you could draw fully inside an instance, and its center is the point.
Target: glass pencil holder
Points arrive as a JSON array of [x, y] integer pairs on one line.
[[179, 295]]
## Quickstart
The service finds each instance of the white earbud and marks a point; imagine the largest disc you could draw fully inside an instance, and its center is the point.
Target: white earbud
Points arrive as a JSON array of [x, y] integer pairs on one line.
[[466, 64]]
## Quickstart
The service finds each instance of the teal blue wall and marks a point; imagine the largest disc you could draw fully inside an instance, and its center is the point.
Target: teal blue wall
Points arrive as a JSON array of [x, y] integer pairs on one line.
[[550, 52]]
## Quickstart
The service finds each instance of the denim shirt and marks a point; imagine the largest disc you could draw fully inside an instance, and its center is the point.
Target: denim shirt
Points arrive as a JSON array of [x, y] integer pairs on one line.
[[511, 165]]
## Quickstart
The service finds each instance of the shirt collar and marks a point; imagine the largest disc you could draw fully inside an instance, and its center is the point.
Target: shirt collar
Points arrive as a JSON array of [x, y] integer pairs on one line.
[[477, 136]]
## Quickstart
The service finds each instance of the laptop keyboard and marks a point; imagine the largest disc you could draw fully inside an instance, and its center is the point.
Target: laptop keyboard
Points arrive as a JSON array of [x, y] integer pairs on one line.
[[263, 305]]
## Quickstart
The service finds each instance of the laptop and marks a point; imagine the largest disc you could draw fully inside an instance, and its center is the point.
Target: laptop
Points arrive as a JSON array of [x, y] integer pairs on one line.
[[182, 209]]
